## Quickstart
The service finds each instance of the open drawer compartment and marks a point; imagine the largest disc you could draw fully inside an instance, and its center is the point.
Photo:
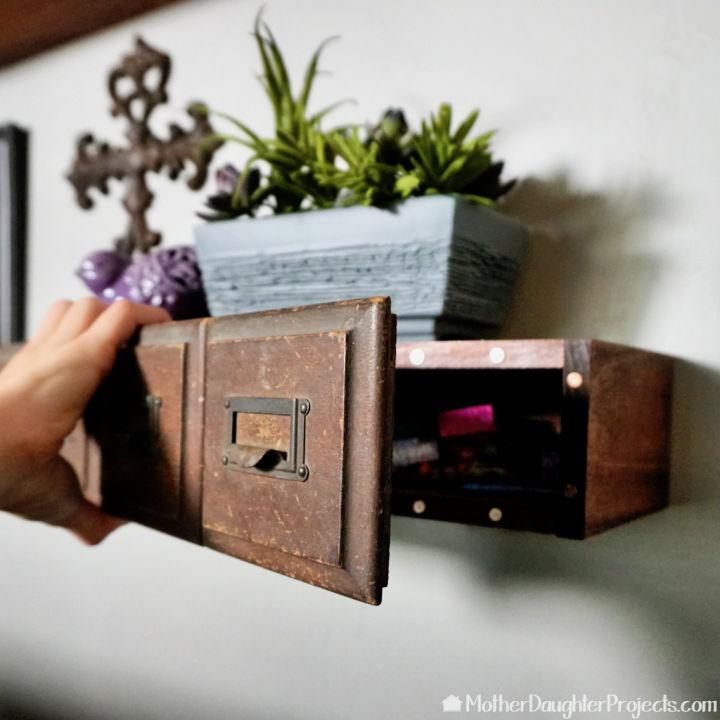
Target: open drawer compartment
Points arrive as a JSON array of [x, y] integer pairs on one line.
[[569, 437]]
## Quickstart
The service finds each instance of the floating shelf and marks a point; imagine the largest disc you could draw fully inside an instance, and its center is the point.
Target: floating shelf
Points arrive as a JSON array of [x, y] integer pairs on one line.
[[269, 437], [574, 438]]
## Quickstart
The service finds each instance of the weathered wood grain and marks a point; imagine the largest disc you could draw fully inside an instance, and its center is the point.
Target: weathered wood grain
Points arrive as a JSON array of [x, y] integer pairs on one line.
[[28, 27]]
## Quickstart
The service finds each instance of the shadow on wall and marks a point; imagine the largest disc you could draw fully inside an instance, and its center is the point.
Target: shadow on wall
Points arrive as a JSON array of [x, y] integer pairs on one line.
[[582, 277], [590, 273], [15, 708], [657, 578], [695, 448]]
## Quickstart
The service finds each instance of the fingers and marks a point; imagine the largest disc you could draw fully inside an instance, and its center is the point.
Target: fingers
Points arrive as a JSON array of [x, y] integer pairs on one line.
[[116, 325], [51, 320], [77, 319], [111, 324]]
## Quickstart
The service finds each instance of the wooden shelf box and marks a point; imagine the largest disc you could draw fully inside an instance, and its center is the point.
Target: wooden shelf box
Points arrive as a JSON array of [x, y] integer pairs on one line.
[[269, 437], [582, 440]]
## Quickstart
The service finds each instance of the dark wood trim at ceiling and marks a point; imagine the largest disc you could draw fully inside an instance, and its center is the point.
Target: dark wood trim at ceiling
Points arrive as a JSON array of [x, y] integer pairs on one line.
[[29, 27]]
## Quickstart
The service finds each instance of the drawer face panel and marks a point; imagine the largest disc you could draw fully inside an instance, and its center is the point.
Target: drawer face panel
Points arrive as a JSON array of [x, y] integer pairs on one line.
[[265, 436], [145, 428], [142, 428], [298, 515], [298, 417]]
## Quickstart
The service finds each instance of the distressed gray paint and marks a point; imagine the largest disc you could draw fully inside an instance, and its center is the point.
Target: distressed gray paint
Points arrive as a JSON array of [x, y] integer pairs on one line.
[[437, 257]]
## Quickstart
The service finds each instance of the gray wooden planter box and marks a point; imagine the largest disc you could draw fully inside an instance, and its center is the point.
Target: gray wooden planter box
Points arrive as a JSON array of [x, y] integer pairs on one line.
[[448, 265]]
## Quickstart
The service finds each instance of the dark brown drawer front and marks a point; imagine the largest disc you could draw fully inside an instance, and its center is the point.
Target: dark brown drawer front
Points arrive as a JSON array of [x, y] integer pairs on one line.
[[147, 421], [266, 437], [142, 446], [316, 508]]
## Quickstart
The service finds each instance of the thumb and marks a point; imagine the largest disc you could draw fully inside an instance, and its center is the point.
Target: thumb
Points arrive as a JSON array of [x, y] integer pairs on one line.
[[52, 495]]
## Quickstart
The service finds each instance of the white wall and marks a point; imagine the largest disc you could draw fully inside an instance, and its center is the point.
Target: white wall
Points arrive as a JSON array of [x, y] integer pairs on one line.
[[611, 108]]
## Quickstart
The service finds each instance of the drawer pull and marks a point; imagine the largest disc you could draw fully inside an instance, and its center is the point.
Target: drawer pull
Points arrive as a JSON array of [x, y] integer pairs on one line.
[[266, 436]]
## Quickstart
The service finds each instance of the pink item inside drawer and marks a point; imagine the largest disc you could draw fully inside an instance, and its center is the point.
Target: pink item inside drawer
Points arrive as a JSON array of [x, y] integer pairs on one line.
[[466, 421]]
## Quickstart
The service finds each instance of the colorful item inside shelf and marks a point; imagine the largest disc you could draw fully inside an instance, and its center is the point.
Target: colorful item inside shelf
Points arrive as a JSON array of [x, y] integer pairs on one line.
[[413, 451], [466, 421], [168, 278], [481, 449]]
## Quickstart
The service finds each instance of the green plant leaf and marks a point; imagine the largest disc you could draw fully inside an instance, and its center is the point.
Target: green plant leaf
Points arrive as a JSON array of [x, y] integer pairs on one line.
[[241, 126], [452, 169], [318, 116], [478, 200], [405, 185], [270, 81], [462, 132], [300, 165], [311, 72], [211, 140], [280, 69]]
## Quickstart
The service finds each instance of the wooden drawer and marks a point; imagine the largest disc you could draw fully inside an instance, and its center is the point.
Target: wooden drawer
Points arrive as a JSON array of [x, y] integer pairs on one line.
[[264, 436], [296, 451], [269, 437]]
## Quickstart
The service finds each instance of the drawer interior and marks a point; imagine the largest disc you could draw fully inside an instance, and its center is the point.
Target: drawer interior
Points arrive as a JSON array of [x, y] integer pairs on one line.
[[479, 446]]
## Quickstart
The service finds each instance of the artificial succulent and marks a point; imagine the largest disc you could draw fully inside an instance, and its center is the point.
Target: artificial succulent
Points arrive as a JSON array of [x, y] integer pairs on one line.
[[303, 166]]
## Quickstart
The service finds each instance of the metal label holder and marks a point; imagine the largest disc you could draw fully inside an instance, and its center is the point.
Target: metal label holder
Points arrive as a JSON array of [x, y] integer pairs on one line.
[[245, 459]]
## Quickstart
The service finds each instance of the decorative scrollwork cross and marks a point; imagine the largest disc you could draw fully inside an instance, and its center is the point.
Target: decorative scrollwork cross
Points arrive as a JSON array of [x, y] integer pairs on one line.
[[137, 86]]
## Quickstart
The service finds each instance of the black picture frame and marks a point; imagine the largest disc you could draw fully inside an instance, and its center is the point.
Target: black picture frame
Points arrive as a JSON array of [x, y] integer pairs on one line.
[[13, 231]]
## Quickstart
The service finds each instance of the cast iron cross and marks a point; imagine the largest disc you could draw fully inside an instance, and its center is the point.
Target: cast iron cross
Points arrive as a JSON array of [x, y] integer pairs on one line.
[[135, 94]]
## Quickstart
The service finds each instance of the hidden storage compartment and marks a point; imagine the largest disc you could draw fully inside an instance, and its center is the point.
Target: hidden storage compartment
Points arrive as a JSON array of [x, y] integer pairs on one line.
[[478, 446]]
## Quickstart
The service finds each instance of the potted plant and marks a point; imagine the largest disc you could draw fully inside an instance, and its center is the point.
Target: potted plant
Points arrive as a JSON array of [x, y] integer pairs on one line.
[[317, 215]]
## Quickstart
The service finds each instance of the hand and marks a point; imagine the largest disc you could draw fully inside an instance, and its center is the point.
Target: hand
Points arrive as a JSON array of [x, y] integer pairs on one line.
[[44, 389]]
